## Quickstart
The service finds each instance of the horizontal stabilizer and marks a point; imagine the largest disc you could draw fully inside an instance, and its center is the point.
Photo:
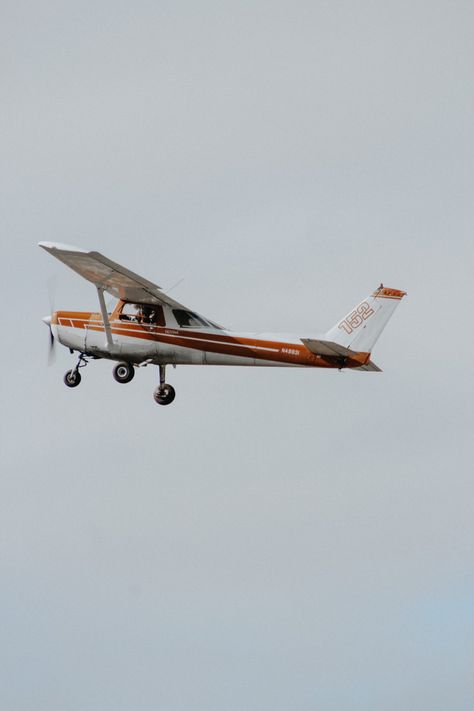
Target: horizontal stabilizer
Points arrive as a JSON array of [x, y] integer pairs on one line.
[[327, 348], [370, 366]]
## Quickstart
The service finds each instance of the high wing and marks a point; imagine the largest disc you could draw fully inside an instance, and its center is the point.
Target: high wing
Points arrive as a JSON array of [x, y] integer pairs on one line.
[[110, 276]]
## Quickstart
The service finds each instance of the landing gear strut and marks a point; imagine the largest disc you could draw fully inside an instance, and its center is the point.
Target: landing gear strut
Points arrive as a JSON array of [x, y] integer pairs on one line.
[[164, 393], [73, 377]]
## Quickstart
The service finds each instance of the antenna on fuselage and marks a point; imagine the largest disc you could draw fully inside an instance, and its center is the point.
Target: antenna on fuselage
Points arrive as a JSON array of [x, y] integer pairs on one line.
[[167, 291]]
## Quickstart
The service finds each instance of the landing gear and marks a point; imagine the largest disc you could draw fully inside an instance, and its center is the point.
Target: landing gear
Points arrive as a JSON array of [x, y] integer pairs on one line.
[[164, 393], [124, 372], [73, 377]]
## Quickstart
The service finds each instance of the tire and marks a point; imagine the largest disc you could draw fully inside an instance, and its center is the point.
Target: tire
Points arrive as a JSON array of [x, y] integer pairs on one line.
[[164, 395], [124, 372], [72, 378]]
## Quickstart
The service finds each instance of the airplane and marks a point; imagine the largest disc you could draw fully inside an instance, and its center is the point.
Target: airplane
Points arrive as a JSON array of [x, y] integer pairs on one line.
[[148, 327]]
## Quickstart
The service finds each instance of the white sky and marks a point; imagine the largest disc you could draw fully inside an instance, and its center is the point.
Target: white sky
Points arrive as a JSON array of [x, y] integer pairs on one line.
[[275, 539]]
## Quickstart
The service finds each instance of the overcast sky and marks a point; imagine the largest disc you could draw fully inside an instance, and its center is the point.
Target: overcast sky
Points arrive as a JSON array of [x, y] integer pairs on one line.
[[275, 539]]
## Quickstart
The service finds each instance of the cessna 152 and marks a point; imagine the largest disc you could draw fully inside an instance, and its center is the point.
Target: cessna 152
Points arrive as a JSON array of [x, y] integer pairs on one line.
[[148, 327]]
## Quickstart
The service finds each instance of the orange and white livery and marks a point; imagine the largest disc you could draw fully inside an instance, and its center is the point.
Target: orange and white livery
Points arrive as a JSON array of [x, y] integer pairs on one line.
[[147, 327]]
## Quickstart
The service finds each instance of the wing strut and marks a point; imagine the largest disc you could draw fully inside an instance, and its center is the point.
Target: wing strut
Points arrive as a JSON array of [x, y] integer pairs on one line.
[[105, 317]]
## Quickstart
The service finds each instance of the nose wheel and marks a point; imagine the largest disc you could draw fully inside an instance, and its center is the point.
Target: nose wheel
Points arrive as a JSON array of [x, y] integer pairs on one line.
[[73, 377], [164, 393]]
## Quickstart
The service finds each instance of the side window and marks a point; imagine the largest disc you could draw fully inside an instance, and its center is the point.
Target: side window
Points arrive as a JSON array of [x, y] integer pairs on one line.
[[129, 312], [186, 319], [151, 314]]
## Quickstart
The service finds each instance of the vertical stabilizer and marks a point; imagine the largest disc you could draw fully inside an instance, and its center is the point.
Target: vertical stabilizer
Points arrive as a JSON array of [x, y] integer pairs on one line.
[[361, 327]]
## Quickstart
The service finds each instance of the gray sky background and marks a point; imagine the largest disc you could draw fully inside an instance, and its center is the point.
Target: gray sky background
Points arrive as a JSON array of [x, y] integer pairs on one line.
[[275, 539]]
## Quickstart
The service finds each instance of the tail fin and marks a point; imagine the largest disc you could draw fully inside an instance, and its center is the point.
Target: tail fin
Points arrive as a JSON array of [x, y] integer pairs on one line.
[[362, 326]]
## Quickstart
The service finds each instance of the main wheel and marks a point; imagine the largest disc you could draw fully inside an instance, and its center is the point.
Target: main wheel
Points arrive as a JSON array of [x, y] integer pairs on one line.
[[72, 378], [164, 395], [124, 372]]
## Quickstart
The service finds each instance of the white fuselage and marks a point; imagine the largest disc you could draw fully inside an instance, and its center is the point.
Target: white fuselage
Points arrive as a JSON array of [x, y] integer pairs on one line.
[[142, 342]]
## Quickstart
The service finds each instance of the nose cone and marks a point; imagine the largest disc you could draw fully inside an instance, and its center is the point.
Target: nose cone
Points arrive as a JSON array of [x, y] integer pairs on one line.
[[47, 320]]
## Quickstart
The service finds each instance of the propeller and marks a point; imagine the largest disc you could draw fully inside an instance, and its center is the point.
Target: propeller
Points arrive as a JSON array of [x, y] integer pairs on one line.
[[52, 340], [47, 319]]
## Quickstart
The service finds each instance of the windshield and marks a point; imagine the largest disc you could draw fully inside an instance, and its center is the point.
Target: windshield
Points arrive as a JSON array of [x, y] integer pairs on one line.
[[188, 319]]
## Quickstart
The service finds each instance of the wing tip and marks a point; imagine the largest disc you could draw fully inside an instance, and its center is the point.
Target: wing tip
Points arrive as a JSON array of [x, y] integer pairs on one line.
[[53, 246]]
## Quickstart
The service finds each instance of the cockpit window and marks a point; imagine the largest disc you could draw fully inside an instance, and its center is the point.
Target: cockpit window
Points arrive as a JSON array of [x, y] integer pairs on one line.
[[187, 319]]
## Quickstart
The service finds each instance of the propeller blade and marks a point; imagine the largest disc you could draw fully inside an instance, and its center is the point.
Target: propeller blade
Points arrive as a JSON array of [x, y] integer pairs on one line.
[[52, 340]]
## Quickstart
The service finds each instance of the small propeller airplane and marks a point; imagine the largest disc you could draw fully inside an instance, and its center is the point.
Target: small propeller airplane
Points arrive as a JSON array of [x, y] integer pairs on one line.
[[147, 327]]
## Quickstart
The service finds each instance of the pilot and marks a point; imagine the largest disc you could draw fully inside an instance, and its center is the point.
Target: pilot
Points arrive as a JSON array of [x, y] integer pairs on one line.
[[146, 314]]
